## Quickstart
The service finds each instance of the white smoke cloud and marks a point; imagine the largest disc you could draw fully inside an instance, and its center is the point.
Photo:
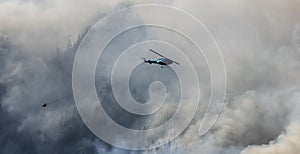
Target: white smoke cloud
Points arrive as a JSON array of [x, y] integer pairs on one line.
[[260, 43], [262, 57], [286, 143], [51, 23], [288, 140]]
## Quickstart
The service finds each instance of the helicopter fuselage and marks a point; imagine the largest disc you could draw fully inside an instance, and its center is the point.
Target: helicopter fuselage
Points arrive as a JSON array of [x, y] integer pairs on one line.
[[160, 61]]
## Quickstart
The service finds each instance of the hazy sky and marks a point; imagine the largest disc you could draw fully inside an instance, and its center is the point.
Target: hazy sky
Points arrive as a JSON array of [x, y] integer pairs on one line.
[[260, 42]]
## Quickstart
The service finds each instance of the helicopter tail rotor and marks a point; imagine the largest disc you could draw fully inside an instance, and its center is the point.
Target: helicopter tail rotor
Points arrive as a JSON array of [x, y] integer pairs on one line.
[[144, 59]]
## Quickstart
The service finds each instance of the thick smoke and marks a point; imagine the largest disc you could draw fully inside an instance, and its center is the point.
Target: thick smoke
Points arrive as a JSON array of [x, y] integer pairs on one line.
[[36, 63], [286, 143], [262, 57], [260, 43]]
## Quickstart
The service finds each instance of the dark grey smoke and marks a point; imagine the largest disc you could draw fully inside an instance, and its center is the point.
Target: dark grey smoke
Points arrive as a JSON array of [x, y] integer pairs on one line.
[[260, 42], [25, 81], [25, 126]]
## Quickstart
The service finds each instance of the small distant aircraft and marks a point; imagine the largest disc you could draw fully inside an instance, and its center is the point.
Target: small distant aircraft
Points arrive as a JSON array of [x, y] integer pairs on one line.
[[164, 61], [44, 104]]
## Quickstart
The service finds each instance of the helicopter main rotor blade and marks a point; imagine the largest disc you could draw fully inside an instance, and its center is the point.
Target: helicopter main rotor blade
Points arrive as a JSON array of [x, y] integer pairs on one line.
[[163, 56], [157, 53], [175, 62]]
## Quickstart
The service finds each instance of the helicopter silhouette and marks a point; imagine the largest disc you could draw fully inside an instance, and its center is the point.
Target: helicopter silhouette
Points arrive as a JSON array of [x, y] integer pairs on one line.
[[164, 61]]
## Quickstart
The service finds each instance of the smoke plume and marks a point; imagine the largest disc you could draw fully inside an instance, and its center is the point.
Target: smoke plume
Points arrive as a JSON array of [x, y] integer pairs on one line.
[[260, 42]]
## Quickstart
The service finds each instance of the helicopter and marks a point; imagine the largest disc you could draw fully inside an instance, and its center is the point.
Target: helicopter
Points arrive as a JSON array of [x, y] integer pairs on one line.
[[164, 61], [44, 104]]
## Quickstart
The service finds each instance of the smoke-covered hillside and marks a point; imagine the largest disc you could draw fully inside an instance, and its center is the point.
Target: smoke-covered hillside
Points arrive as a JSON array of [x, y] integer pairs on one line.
[[260, 42]]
